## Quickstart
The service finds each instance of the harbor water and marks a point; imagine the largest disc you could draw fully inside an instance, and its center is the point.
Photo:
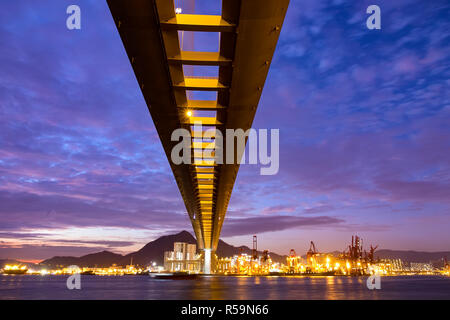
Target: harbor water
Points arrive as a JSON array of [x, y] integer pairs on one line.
[[31, 287]]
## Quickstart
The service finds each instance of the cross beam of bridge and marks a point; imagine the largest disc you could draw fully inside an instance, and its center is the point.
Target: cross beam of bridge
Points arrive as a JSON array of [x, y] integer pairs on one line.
[[249, 31]]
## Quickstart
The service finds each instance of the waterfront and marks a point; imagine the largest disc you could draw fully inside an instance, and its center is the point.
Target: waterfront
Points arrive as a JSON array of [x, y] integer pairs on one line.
[[31, 287]]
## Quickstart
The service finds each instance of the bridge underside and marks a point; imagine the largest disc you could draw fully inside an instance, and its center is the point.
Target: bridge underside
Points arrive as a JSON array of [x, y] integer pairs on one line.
[[249, 31]]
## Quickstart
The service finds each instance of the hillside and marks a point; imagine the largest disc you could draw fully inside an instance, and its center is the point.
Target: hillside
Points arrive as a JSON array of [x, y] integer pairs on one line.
[[412, 256], [151, 252], [99, 259], [154, 252]]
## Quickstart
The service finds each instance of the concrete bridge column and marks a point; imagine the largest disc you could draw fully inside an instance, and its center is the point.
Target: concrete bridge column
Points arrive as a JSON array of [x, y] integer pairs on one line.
[[207, 261]]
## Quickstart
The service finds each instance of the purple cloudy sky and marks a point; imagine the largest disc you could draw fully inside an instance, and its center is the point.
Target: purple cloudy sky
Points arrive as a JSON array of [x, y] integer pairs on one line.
[[364, 134]]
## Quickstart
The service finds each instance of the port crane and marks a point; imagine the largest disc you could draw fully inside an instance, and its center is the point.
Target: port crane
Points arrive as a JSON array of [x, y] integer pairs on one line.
[[293, 261], [312, 249], [370, 257], [255, 248], [311, 255]]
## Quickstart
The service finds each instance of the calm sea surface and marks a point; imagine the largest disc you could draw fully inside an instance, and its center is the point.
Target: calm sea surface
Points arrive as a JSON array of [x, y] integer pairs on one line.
[[143, 287]]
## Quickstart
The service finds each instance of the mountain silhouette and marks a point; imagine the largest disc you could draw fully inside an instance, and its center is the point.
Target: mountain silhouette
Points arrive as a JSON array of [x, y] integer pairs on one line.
[[151, 252], [226, 250], [100, 259], [413, 256], [154, 252]]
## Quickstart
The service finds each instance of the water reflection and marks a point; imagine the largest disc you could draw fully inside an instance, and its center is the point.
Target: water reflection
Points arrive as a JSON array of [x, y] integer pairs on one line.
[[223, 287]]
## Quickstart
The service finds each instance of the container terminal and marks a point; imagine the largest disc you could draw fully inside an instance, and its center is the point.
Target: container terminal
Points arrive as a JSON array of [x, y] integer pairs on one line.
[[185, 262]]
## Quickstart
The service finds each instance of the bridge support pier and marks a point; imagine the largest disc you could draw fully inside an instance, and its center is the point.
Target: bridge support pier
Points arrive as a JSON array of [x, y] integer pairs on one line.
[[207, 261]]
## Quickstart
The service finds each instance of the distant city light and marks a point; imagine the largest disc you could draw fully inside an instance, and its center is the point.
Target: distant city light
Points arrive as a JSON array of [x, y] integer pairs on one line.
[[15, 267]]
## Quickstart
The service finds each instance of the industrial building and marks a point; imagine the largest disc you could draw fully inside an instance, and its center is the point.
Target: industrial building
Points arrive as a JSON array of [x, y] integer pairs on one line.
[[184, 257]]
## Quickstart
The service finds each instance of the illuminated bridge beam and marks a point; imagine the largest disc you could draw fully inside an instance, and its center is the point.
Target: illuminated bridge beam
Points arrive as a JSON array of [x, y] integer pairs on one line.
[[203, 145], [200, 84], [197, 22], [204, 170], [201, 105], [202, 134], [204, 121], [200, 58]]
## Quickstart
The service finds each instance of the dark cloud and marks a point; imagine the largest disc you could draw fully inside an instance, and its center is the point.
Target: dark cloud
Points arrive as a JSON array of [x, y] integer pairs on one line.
[[318, 209], [106, 243], [55, 211], [42, 252], [21, 235], [244, 226]]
